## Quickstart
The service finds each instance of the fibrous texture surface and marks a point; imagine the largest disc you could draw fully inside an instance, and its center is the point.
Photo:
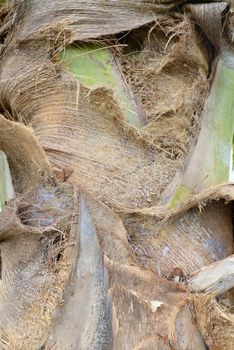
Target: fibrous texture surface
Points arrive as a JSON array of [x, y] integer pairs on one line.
[[98, 136]]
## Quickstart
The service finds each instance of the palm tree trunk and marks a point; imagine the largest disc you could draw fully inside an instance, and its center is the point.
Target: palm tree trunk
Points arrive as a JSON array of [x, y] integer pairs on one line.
[[116, 145]]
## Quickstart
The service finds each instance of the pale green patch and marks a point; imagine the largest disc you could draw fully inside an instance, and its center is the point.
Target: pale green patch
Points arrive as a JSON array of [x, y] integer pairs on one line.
[[221, 134], [94, 67], [180, 194], [211, 161], [6, 186]]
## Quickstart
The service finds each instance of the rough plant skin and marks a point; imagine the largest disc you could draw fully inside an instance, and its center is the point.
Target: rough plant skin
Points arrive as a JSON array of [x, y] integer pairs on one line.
[[90, 258]]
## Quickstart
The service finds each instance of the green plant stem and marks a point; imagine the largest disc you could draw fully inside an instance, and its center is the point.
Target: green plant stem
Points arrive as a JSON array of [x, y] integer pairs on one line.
[[210, 163]]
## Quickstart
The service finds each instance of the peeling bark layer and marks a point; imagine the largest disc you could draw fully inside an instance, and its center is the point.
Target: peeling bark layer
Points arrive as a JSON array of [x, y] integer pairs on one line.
[[86, 262]]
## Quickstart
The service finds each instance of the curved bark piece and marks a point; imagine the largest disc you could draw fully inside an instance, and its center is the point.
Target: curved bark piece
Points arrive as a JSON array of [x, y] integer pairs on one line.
[[208, 16], [24, 154], [81, 20], [216, 278]]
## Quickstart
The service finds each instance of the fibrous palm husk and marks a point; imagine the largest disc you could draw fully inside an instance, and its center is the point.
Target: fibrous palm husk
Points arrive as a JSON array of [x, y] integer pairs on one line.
[[81, 135]]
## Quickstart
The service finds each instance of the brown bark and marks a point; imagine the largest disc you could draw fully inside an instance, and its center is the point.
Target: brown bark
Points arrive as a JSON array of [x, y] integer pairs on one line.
[[92, 255]]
